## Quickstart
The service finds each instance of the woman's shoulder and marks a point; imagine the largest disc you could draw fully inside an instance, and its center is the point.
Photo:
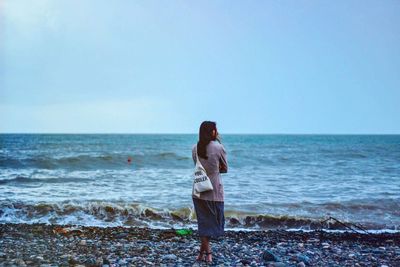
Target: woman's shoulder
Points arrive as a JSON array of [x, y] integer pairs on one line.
[[217, 145]]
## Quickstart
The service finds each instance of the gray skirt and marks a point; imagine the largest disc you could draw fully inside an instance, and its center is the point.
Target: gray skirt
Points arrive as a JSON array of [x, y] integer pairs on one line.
[[210, 217]]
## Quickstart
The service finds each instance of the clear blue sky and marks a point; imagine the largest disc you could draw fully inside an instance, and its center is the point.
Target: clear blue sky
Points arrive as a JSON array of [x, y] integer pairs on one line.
[[165, 66]]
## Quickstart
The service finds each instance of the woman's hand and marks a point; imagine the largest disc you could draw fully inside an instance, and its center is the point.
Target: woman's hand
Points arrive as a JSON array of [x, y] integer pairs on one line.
[[222, 167]]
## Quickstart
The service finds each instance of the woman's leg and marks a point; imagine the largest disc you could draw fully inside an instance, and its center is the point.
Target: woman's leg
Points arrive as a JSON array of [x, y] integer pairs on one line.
[[207, 249], [202, 248]]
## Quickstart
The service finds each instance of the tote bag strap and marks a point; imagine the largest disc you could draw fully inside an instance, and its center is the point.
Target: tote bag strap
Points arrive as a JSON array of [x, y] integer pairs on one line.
[[198, 160]]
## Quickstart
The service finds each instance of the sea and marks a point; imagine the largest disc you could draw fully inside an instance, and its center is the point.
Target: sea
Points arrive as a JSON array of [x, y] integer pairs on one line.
[[145, 180]]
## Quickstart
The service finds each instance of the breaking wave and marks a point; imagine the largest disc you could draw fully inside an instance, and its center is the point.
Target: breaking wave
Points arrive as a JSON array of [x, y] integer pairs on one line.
[[106, 213]]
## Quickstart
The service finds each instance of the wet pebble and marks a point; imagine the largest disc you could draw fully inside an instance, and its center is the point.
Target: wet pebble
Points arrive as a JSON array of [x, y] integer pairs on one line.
[[268, 255], [303, 258], [169, 257]]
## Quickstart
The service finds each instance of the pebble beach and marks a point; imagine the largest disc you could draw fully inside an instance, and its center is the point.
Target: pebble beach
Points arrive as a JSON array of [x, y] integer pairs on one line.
[[71, 245]]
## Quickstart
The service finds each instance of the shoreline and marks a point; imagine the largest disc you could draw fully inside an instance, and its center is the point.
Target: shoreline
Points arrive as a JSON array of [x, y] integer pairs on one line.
[[73, 245]]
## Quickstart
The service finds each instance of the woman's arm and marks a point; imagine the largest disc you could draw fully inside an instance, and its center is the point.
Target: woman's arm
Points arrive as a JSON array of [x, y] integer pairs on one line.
[[223, 162]]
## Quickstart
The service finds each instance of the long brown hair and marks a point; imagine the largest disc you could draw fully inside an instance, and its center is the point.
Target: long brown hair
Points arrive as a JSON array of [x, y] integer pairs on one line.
[[205, 137]]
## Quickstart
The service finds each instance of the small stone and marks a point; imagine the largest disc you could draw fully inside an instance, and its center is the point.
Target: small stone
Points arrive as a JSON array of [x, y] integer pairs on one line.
[[145, 248], [377, 251], [122, 262], [105, 261], [269, 256], [301, 264], [337, 250], [90, 261], [277, 264], [304, 259], [169, 257], [99, 261], [234, 221], [82, 242], [20, 262], [245, 262], [121, 235], [73, 261], [151, 214]]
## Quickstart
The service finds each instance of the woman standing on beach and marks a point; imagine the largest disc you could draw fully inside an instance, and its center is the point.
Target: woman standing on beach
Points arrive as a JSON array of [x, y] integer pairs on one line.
[[209, 206]]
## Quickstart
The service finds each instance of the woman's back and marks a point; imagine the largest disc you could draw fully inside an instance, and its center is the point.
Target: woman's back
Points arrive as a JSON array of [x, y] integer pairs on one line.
[[214, 164]]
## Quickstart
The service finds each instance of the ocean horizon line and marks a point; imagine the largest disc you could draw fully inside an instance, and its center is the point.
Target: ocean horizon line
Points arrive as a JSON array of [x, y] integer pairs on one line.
[[178, 133]]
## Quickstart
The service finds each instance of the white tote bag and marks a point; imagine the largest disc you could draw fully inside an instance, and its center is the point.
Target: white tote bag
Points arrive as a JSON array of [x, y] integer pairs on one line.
[[201, 182]]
